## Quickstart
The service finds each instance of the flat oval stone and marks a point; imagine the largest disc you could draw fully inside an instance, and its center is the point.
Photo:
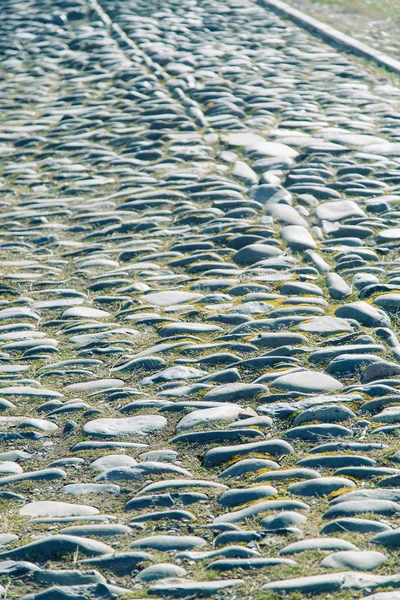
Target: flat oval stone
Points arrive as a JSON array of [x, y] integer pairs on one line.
[[355, 507], [350, 559], [217, 456], [317, 544], [235, 497], [317, 432], [389, 539], [213, 415], [168, 543], [312, 382], [248, 563], [160, 571], [170, 298], [322, 486], [354, 525], [50, 508], [56, 545], [283, 520], [298, 238], [129, 426], [290, 474], [234, 392], [181, 589], [253, 253], [256, 509], [248, 465], [364, 313]]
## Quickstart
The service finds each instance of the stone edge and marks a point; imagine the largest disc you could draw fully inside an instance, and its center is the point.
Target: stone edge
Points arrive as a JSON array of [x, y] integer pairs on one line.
[[332, 36]]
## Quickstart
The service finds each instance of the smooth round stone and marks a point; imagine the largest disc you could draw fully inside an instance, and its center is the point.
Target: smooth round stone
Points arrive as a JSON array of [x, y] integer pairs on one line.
[[57, 545], [174, 588], [283, 520], [149, 363], [263, 148], [364, 313], [176, 373], [331, 352], [336, 461], [339, 210], [356, 507], [313, 584], [129, 426], [10, 467], [312, 382], [388, 235], [297, 238], [50, 508], [187, 328], [248, 466], [219, 455], [111, 461], [227, 552], [338, 288], [168, 515], [298, 288], [393, 480], [349, 559], [291, 474], [354, 526], [363, 473], [241, 170], [178, 484], [77, 489], [388, 301], [317, 544], [168, 543], [326, 325], [7, 538], [160, 571], [316, 432], [248, 563], [322, 486], [389, 539], [345, 446], [369, 494], [277, 340], [213, 415], [236, 497], [260, 422], [235, 392], [84, 312], [347, 365], [379, 369], [249, 255], [170, 297], [91, 386], [329, 413], [285, 214], [254, 510], [69, 577]]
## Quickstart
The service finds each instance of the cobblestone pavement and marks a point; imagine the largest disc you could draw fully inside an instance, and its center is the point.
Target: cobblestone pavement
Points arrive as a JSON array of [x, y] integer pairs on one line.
[[199, 233]]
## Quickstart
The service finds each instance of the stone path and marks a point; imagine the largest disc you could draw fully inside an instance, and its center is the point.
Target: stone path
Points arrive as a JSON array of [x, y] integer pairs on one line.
[[199, 362]]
